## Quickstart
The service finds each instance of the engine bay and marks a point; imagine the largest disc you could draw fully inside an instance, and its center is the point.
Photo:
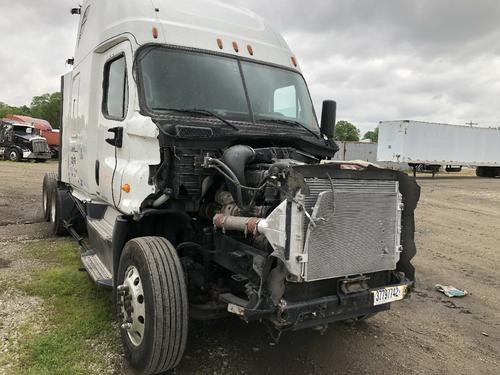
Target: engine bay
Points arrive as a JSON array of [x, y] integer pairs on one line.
[[266, 226]]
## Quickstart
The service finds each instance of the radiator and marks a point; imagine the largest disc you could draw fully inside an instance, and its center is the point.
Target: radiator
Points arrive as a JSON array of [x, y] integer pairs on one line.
[[352, 227]]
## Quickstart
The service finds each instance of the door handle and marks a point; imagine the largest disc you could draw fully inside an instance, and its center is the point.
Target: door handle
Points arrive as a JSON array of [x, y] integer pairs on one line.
[[117, 139]]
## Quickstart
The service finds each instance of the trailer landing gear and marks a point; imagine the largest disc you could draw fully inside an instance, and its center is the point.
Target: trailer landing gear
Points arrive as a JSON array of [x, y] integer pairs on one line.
[[424, 168]]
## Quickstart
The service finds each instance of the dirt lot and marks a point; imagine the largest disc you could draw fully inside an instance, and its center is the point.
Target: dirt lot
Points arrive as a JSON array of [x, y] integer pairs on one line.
[[458, 236]]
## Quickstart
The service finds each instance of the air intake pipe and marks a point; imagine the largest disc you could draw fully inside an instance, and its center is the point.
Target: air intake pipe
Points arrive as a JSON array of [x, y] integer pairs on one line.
[[236, 158]]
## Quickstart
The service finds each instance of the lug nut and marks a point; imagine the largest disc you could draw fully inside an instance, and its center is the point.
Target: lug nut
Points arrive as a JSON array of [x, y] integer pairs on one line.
[[122, 288]]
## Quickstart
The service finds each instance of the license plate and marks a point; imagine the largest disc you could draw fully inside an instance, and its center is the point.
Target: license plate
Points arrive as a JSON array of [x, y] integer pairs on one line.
[[388, 294]]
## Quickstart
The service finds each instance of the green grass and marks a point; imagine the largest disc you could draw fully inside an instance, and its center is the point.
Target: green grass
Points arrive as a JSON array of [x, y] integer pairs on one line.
[[76, 314]]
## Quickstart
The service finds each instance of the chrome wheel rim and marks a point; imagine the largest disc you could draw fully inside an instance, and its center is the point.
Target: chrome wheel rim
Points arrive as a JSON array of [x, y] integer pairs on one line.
[[13, 156], [131, 300]]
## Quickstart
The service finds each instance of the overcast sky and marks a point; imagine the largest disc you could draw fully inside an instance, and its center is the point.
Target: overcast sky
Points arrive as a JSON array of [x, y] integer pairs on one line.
[[435, 60]]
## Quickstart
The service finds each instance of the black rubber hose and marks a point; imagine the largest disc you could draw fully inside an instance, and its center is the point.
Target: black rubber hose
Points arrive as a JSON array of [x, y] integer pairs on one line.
[[237, 157]]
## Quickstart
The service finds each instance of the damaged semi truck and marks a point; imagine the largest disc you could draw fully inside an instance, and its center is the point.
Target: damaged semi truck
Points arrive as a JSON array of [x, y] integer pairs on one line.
[[199, 183]]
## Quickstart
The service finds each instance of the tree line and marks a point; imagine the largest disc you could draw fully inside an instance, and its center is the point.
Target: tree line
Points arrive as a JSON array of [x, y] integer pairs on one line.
[[46, 107], [348, 132]]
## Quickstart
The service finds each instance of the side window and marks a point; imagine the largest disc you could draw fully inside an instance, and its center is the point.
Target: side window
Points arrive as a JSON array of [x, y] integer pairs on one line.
[[285, 101], [115, 96], [9, 132]]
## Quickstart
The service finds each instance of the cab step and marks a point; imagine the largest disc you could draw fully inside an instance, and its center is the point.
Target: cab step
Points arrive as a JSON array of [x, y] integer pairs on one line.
[[96, 269], [102, 227]]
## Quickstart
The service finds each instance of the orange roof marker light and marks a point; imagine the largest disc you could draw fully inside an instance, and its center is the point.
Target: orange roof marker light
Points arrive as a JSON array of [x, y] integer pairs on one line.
[[250, 49], [220, 43], [126, 188], [235, 46], [294, 61], [155, 32]]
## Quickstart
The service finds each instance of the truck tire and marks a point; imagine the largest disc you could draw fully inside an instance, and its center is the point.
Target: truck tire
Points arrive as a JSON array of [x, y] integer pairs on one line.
[[49, 185], [15, 155], [151, 283], [61, 207], [489, 172]]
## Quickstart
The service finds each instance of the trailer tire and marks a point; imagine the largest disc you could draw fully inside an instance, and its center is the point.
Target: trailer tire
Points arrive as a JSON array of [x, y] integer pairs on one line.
[[49, 185], [154, 267], [489, 172], [15, 155]]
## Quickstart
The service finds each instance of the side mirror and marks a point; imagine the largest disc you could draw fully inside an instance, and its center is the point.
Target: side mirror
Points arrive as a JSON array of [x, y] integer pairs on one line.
[[328, 118]]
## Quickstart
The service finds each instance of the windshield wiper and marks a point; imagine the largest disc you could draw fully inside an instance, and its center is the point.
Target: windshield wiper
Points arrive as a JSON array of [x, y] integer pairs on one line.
[[204, 112], [291, 122]]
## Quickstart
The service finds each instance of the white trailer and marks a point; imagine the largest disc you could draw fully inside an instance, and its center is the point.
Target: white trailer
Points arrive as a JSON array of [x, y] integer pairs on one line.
[[428, 146], [365, 151]]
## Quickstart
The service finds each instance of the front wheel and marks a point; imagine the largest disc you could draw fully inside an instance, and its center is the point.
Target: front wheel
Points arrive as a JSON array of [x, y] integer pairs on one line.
[[152, 305], [15, 155]]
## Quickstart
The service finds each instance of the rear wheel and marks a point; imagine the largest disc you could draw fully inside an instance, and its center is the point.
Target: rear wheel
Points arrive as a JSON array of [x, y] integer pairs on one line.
[[14, 155], [61, 207], [152, 304], [487, 172], [49, 185]]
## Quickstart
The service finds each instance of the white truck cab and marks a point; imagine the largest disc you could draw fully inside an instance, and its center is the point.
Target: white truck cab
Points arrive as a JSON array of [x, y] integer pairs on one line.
[[195, 176]]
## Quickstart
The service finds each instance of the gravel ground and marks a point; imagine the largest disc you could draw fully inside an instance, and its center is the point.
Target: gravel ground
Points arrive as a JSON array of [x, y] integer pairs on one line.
[[458, 232]]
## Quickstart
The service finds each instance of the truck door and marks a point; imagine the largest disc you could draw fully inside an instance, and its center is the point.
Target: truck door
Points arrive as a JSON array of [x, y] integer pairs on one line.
[[75, 131], [111, 157]]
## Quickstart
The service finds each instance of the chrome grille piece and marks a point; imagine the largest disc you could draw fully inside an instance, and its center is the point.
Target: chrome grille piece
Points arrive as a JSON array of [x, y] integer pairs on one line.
[[40, 145], [356, 232]]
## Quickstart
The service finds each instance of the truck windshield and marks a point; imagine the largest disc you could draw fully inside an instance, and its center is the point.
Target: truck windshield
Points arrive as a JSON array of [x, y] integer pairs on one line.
[[235, 90], [23, 130]]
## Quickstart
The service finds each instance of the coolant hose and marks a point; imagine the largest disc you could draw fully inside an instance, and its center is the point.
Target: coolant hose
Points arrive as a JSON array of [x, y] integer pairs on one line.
[[236, 158]]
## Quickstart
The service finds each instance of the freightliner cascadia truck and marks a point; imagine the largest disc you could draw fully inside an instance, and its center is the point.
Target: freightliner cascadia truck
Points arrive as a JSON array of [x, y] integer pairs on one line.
[[195, 176]]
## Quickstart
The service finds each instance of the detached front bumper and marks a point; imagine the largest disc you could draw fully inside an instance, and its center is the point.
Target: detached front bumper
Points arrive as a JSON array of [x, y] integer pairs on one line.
[[315, 312]]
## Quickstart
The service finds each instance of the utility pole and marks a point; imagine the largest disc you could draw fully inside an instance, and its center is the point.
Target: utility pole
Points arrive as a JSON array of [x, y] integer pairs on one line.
[[471, 123]]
